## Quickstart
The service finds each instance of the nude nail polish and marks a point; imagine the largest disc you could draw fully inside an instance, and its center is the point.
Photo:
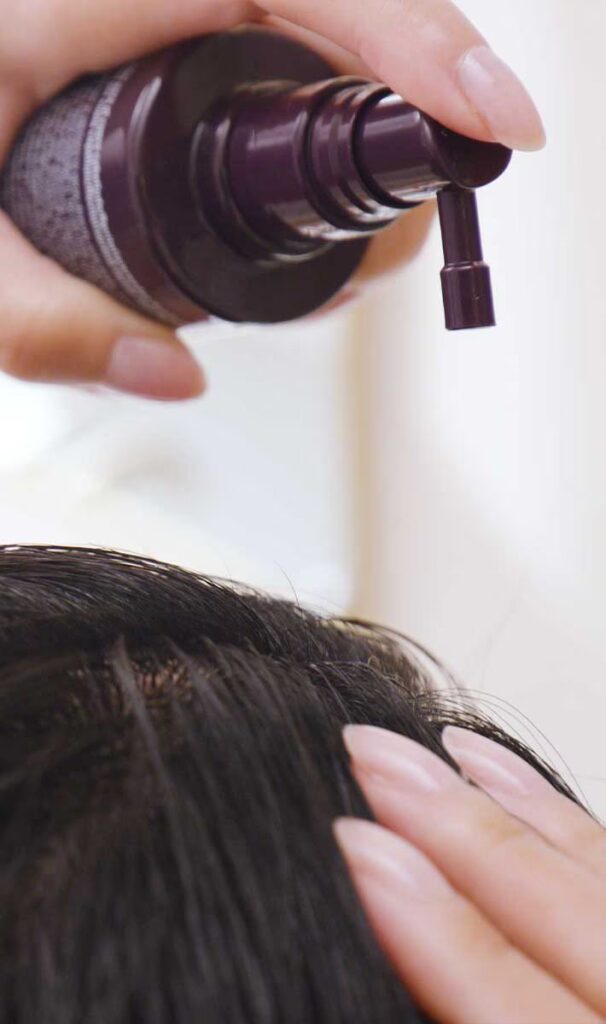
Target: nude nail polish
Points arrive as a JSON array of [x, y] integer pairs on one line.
[[375, 852], [154, 369], [493, 766], [499, 97], [397, 760]]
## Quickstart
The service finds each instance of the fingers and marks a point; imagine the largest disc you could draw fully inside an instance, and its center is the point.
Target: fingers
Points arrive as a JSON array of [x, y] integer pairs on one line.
[[522, 791], [98, 34], [426, 50], [56, 328], [550, 907], [455, 963], [430, 53]]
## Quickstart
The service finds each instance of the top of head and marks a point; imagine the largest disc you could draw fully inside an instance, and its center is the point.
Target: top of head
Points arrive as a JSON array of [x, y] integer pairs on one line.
[[171, 763]]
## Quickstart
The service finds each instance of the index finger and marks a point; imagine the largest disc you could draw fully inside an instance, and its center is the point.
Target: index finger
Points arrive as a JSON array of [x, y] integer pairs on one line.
[[425, 50], [550, 907], [456, 964]]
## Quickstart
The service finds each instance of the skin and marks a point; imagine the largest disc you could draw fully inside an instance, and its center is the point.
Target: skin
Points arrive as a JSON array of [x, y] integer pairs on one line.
[[56, 328], [490, 901]]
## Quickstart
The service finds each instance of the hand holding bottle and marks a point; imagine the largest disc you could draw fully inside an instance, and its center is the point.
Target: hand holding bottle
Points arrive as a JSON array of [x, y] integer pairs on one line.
[[58, 328]]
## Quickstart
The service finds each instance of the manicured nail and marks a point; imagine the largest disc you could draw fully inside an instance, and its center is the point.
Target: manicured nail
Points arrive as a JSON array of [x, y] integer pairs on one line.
[[397, 760], [493, 767], [500, 99], [371, 850], [153, 368]]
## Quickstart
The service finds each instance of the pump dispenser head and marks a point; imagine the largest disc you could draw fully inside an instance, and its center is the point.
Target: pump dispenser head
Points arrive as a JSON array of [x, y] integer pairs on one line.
[[403, 150], [336, 159]]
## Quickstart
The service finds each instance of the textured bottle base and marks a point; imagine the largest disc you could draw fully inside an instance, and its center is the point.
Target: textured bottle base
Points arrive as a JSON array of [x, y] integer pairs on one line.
[[51, 189]]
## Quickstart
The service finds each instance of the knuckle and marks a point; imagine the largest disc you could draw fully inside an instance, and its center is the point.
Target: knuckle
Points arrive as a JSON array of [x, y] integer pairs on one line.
[[502, 834], [411, 21], [16, 360], [407, 13], [590, 839], [499, 833], [477, 937], [23, 351], [22, 44], [369, 33]]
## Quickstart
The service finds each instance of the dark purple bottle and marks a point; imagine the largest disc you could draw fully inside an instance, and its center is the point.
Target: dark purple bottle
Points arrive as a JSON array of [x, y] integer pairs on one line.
[[235, 176]]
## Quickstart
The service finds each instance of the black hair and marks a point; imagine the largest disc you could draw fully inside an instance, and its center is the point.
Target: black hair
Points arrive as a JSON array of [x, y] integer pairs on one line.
[[171, 762]]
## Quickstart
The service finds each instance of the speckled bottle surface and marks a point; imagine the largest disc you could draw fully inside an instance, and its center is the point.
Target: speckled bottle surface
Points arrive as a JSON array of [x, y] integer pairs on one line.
[[52, 187]]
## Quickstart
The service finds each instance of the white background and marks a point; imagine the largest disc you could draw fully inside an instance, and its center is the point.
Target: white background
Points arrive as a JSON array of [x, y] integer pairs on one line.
[[256, 481], [488, 519], [453, 486]]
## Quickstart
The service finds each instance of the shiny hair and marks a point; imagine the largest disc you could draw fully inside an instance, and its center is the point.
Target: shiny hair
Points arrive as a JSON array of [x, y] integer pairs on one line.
[[171, 762]]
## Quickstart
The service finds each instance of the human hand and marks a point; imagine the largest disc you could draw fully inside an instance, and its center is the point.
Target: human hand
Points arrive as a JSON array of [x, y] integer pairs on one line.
[[492, 908], [57, 328]]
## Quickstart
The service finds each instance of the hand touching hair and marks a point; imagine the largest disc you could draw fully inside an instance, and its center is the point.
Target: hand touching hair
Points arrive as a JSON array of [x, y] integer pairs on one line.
[[171, 763]]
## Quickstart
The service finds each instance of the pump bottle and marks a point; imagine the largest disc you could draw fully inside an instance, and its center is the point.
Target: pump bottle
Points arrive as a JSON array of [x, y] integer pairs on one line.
[[236, 177]]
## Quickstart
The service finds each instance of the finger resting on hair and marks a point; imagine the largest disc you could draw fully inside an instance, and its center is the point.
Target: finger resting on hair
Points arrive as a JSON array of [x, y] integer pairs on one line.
[[456, 964]]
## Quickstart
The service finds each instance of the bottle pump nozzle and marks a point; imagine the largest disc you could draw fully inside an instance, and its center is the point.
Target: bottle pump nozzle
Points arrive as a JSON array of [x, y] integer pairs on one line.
[[452, 166], [466, 285], [295, 168]]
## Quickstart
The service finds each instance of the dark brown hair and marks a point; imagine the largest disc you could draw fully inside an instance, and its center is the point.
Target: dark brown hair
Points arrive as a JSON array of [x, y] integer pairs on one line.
[[171, 762]]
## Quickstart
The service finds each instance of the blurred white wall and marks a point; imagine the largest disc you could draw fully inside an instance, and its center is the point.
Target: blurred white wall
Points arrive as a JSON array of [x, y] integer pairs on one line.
[[487, 511], [256, 481]]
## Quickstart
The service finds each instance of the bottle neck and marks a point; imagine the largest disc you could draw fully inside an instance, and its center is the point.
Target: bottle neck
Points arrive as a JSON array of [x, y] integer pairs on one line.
[[283, 171]]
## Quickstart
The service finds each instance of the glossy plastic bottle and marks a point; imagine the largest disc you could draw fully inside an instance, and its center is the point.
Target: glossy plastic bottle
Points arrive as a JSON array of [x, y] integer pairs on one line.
[[235, 176]]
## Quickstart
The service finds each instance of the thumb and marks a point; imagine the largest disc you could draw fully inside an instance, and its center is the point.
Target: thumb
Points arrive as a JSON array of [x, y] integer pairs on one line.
[[57, 328]]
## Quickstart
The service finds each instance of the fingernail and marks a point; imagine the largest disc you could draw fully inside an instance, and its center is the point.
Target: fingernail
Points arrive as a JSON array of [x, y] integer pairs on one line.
[[371, 850], [492, 766], [397, 760], [153, 368], [500, 99]]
